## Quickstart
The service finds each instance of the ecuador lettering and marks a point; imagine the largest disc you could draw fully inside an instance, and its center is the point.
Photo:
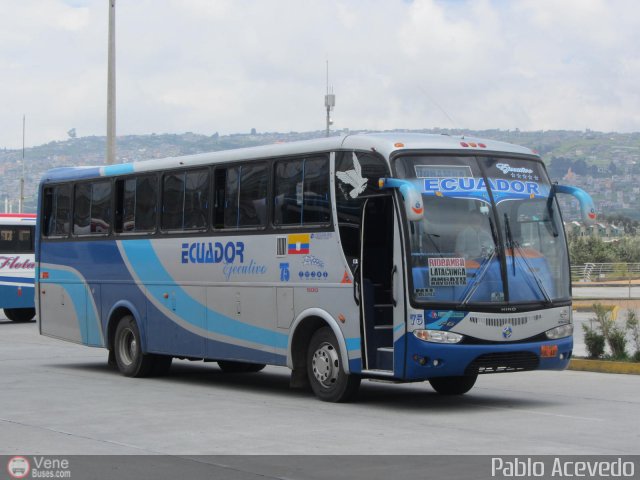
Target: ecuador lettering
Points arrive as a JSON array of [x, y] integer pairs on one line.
[[471, 187]]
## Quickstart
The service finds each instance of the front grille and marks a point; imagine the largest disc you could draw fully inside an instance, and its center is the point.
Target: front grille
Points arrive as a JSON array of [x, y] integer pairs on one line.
[[503, 321], [503, 362]]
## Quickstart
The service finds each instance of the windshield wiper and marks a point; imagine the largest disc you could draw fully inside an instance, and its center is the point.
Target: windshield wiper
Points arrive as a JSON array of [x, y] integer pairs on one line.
[[515, 247], [510, 242], [482, 270], [484, 266]]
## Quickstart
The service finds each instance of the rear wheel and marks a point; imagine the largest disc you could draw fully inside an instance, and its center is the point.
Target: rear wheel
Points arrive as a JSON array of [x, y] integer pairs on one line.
[[326, 374], [20, 314], [453, 385], [127, 345], [228, 366]]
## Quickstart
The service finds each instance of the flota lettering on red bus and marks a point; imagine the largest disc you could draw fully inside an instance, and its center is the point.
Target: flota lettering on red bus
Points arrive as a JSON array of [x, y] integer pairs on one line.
[[15, 263]]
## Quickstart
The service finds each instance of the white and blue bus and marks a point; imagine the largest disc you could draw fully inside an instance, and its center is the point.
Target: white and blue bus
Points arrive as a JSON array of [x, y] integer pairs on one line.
[[401, 257], [17, 266]]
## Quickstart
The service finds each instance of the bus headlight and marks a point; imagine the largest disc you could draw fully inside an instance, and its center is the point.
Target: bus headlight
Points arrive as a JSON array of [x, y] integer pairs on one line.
[[437, 336], [560, 332]]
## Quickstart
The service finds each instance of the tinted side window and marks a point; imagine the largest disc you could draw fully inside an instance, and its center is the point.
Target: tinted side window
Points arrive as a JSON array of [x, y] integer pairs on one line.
[[92, 208], [231, 190], [101, 207], [316, 191], [82, 209], [288, 199], [240, 198], [185, 200], [196, 200], [302, 192], [136, 200], [146, 201], [56, 211], [252, 201], [172, 201], [25, 239], [7, 240]]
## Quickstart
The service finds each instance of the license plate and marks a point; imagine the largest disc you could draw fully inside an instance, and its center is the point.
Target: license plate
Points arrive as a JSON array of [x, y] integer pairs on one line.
[[549, 351]]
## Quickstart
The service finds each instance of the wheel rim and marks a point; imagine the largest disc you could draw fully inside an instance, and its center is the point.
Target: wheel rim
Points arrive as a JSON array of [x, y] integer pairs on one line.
[[326, 365], [128, 346]]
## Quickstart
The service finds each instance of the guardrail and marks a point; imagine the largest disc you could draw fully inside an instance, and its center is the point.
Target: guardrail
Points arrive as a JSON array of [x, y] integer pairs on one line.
[[594, 272]]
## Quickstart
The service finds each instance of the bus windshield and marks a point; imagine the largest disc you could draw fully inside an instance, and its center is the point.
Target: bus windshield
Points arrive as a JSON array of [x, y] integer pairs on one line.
[[491, 232]]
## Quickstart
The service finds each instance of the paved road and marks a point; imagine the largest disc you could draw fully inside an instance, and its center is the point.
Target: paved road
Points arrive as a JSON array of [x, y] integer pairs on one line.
[[61, 398]]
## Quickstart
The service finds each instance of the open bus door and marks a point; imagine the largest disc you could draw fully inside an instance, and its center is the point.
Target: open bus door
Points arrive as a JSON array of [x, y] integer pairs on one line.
[[381, 286]]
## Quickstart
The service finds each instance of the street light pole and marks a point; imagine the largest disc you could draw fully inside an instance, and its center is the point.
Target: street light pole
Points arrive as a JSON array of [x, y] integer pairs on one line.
[[111, 86], [21, 203]]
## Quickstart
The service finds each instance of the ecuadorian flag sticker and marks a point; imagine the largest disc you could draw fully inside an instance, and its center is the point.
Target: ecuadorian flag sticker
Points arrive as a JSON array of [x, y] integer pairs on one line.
[[298, 243]]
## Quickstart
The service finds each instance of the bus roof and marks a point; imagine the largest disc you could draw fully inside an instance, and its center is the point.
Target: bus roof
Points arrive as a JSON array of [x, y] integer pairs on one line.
[[383, 143]]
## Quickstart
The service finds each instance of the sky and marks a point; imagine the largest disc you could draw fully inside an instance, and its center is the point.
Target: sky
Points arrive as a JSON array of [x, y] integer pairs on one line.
[[228, 66]]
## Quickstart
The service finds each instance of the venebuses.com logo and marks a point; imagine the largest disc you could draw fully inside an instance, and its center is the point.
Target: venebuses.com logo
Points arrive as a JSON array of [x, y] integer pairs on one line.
[[38, 467], [18, 467]]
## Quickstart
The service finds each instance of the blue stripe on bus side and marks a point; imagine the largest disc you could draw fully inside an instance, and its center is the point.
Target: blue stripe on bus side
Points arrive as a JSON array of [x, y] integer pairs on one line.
[[352, 343], [144, 259], [17, 279]]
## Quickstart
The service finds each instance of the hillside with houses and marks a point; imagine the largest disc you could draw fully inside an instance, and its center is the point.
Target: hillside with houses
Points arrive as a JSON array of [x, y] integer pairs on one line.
[[607, 165]]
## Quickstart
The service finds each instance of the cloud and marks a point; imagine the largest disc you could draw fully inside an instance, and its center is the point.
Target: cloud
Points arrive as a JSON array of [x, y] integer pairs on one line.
[[233, 65]]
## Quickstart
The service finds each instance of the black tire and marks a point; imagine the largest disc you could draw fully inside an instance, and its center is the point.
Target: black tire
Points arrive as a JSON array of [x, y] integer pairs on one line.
[[326, 375], [453, 385], [127, 346], [228, 366], [20, 314]]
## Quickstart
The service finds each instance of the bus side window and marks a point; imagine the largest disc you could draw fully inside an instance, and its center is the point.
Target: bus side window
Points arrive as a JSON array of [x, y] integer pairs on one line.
[[252, 200], [56, 211], [25, 239], [219, 195], [185, 200], [301, 194], [92, 208], [146, 195], [101, 207], [241, 196], [81, 209], [317, 208], [231, 190], [7, 240], [288, 195], [136, 204], [172, 201], [196, 200]]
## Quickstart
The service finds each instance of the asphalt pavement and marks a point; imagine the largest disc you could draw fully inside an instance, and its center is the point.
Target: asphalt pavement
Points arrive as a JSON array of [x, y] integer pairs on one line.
[[62, 398]]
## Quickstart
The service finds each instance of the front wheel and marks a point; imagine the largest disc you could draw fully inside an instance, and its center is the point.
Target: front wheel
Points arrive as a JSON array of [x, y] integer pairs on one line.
[[328, 379], [20, 314], [453, 385]]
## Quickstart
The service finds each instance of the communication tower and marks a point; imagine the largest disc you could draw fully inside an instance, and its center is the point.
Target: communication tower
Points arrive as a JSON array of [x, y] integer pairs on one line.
[[329, 102]]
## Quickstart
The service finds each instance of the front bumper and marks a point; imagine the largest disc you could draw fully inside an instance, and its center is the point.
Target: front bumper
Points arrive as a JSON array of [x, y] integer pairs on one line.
[[429, 360]]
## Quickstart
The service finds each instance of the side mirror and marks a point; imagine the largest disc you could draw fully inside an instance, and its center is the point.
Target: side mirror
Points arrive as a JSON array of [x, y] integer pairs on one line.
[[587, 207], [413, 205]]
